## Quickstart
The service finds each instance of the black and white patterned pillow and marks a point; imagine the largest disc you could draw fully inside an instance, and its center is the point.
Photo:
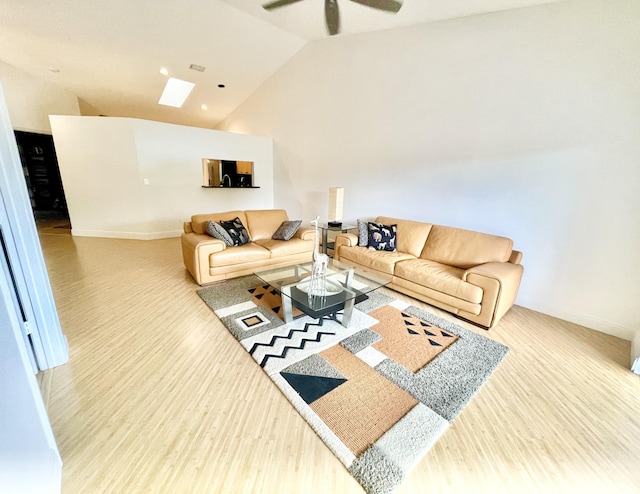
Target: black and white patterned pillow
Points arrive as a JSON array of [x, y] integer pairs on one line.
[[216, 231], [363, 234], [287, 230], [382, 237], [236, 231]]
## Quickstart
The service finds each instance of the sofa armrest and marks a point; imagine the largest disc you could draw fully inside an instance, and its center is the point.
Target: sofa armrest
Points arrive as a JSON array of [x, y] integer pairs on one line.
[[346, 240], [500, 282], [187, 227], [196, 249], [305, 233], [516, 257]]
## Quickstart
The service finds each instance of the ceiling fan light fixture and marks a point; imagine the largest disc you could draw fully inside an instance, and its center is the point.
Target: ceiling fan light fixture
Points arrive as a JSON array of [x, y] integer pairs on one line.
[[332, 11]]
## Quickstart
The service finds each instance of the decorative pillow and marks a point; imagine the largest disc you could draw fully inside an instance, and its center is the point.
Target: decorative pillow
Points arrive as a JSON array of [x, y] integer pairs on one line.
[[236, 231], [363, 234], [287, 230], [382, 237], [216, 231]]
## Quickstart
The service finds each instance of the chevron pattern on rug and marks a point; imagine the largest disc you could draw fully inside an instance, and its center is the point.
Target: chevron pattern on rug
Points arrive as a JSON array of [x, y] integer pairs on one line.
[[307, 334]]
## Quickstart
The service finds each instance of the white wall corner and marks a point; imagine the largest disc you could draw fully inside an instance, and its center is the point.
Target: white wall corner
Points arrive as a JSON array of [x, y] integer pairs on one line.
[[586, 320], [635, 352]]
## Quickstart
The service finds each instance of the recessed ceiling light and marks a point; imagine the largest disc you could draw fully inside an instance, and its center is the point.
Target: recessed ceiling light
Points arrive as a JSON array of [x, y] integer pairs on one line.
[[164, 71], [199, 68], [175, 92], [203, 107], [221, 85], [54, 70]]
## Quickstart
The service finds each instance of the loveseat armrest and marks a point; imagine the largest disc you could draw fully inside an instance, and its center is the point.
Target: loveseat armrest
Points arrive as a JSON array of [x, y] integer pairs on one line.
[[187, 227], [346, 240], [500, 282], [196, 249], [516, 257], [305, 233]]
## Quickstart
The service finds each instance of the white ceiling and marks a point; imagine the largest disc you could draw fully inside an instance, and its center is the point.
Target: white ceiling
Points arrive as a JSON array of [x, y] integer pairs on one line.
[[109, 52]]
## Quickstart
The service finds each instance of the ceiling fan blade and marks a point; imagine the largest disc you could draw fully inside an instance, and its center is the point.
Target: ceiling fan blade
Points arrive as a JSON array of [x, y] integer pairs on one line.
[[278, 3], [332, 16], [388, 5]]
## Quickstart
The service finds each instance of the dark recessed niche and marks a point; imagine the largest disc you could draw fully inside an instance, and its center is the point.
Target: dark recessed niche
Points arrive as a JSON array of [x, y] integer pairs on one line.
[[221, 85], [227, 174]]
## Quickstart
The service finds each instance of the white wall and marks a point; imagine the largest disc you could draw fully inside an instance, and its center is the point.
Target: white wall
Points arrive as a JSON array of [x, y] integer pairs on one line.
[[31, 100], [104, 161], [523, 123]]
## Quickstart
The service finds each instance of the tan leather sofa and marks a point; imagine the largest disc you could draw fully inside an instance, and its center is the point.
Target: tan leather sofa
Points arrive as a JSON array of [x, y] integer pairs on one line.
[[473, 275], [209, 259]]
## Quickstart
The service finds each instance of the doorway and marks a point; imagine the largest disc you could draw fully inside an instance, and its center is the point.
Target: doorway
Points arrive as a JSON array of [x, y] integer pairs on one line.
[[44, 183]]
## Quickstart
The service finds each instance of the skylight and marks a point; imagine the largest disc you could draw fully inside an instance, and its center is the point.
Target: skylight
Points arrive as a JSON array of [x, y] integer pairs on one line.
[[175, 92]]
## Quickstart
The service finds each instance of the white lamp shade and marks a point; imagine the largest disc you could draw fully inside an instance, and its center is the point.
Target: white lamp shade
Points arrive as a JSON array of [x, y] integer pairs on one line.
[[336, 199]]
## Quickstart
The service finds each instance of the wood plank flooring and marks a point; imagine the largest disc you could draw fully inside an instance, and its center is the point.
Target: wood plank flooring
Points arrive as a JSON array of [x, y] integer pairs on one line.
[[159, 398]]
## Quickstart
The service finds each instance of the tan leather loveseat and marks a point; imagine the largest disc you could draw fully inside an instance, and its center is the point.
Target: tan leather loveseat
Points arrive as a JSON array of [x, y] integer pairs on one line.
[[473, 275], [209, 259]]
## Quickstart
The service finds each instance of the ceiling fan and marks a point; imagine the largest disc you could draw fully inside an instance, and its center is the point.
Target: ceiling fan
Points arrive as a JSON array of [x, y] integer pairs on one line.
[[332, 13]]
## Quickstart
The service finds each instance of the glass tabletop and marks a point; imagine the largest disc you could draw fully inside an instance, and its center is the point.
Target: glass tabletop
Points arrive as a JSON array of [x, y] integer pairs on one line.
[[345, 286], [337, 274]]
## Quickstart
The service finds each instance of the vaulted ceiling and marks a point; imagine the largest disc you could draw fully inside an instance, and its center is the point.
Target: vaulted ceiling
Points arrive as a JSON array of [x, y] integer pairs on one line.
[[109, 53]]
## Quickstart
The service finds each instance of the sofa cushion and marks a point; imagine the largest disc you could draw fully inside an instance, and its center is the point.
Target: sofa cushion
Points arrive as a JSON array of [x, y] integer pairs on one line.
[[216, 231], [379, 260], [287, 230], [199, 221], [236, 231], [381, 237], [363, 234], [412, 235], [465, 248], [440, 277], [282, 248], [263, 223], [242, 254]]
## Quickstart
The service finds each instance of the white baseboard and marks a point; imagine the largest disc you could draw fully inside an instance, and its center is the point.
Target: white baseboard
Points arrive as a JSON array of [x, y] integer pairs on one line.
[[126, 235], [585, 320]]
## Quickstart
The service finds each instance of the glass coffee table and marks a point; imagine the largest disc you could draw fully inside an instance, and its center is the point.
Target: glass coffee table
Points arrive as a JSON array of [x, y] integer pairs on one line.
[[345, 286]]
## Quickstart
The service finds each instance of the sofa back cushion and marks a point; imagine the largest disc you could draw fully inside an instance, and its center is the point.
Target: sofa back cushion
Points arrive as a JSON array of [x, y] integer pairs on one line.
[[199, 221], [465, 248], [410, 235], [263, 223]]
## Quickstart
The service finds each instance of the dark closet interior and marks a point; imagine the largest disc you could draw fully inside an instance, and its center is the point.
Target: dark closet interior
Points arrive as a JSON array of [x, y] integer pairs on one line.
[[42, 174]]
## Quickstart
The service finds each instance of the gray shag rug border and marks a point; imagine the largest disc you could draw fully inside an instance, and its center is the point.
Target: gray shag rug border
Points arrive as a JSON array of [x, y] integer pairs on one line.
[[443, 387]]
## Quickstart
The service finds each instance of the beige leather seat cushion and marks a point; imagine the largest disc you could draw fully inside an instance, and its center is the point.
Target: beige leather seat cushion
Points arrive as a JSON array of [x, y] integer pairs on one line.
[[439, 277], [379, 260], [240, 254], [281, 248]]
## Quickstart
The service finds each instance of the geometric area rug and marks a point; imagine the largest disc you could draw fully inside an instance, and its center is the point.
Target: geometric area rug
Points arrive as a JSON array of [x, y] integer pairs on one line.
[[379, 393]]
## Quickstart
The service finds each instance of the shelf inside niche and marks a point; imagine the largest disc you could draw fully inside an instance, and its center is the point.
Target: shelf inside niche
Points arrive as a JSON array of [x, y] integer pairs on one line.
[[232, 187]]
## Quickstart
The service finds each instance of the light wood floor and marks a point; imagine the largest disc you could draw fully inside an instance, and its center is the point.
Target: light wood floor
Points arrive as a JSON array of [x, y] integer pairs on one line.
[[159, 398]]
